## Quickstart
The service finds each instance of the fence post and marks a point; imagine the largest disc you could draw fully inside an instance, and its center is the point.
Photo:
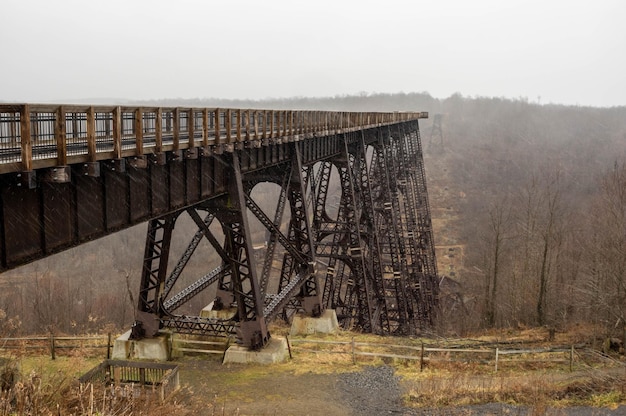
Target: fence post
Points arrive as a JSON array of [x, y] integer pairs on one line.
[[288, 346], [109, 346], [571, 358], [497, 352], [170, 352], [226, 348], [353, 356], [422, 358], [52, 353]]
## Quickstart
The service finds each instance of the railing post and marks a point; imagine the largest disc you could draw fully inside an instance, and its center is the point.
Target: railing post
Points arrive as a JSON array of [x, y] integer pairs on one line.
[[60, 135], [191, 127], [216, 119], [256, 125], [27, 145], [285, 123], [238, 123], [279, 123], [91, 134], [176, 130], [228, 125], [205, 128], [117, 132], [139, 131], [158, 131], [264, 126], [246, 123]]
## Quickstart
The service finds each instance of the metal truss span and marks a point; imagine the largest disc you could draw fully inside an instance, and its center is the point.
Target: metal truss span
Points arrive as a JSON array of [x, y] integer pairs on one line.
[[348, 227], [350, 230]]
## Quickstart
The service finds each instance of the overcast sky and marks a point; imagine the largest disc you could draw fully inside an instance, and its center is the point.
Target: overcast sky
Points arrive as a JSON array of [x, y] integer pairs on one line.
[[552, 51]]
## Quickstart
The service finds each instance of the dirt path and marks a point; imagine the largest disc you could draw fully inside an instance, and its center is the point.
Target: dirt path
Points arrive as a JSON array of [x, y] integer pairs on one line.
[[254, 390]]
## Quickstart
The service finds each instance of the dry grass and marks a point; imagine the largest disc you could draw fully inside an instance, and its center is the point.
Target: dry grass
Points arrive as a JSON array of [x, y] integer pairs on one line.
[[538, 389], [50, 387]]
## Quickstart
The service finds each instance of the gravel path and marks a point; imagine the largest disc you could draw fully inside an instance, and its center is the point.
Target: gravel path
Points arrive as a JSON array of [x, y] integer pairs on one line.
[[374, 391]]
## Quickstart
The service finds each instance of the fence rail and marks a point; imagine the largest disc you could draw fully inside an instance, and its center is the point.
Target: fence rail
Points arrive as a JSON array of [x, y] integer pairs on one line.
[[35, 136], [425, 354], [182, 344]]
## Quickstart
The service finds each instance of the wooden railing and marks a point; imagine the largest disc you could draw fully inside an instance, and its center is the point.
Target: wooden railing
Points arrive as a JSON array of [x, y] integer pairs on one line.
[[34, 136], [161, 378]]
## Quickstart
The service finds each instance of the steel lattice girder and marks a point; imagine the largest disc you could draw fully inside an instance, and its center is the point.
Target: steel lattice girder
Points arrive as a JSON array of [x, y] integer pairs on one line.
[[380, 274]]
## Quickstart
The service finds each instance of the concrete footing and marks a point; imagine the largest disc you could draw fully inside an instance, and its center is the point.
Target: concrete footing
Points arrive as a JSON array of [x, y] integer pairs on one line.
[[305, 325], [157, 348], [209, 312], [275, 351]]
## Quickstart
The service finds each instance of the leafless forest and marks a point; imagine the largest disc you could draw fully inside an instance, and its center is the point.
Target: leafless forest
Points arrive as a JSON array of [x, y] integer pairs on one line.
[[528, 203]]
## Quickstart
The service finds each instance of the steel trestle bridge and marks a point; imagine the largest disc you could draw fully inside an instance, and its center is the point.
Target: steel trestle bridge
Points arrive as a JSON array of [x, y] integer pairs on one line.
[[351, 229]]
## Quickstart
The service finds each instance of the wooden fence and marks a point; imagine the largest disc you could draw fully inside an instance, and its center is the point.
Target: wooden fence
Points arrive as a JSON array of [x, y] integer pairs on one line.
[[424, 354], [53, 344]]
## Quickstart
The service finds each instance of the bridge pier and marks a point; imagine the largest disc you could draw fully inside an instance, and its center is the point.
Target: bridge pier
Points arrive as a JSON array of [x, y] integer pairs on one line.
[[275, 351], [153, 348], [326, 323]]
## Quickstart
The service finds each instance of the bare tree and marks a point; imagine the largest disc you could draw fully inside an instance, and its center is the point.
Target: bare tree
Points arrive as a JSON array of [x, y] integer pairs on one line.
[[498, 233], [551, 239], [607, 261]]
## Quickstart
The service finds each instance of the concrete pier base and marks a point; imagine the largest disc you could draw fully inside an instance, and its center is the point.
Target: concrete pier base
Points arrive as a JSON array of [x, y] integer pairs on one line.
[[157, 348], [209, 312], [274, 352], [305, 325]]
